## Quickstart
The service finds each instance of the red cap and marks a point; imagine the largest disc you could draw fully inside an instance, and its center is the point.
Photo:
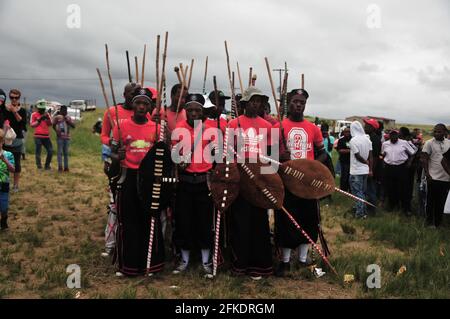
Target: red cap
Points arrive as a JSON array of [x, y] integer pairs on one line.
[[373, 123]]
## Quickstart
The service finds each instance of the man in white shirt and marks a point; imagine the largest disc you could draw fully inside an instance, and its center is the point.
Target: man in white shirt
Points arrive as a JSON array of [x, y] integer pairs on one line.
[[360, 165], [396, 153], [438, 180]]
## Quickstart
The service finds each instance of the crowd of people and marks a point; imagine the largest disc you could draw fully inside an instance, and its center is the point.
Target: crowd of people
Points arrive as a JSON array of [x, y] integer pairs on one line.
[[14, 120], [388, 167], [376, 165]]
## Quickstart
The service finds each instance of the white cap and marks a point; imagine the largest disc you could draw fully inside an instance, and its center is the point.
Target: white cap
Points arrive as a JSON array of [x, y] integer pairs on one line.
[[208, 104]]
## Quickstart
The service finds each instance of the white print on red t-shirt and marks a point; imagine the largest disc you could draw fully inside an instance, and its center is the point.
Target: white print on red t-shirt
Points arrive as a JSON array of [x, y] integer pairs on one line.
[[298, 143], [252, 141]]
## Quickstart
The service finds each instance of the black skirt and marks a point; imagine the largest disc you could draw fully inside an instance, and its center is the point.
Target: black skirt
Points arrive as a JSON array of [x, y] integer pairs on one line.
[[134, 230], [193, 217], [250, 239], [305, 212]]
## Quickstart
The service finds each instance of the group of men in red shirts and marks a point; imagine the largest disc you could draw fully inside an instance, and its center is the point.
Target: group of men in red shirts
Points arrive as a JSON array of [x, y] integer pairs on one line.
[[192, 210]]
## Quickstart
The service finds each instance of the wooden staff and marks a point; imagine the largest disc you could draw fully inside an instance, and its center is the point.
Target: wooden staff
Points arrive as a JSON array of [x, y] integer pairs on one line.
[[157, 61], [181, 94], [163, 74], [190, 74], [128, 66], [137, 69], [143, 65], [273, 90], [113, 95], [303, 81], [233, 96], [204, 78], [253, 79], [250, 77], [185, 73], [177, 71], [182, 71], [239, 77], [105, 97]]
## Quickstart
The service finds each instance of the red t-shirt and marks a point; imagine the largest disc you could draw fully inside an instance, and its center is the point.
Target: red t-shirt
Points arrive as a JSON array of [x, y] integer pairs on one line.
[[300, 138], [213, 123], [256, 134], [41, 130], [199, 162], [138, 139], [170, 116], [110, 113]]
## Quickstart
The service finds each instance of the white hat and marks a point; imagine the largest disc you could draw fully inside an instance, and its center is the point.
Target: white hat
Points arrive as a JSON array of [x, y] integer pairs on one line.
[[208, 104]]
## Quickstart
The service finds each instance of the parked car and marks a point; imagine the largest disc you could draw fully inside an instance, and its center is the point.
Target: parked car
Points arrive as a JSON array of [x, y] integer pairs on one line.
[[78, 104]]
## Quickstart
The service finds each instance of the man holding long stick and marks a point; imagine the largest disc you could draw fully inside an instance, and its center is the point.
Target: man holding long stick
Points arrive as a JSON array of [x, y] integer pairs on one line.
[[124, 112], [171, 115], [249, 225], [298, 139]]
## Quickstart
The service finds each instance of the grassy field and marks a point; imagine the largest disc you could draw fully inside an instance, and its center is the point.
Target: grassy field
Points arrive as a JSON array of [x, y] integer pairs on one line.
[[58, 219]]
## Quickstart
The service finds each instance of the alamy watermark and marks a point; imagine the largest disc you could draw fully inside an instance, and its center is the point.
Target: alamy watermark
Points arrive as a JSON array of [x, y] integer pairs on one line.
[[73, 20], [74, 279]]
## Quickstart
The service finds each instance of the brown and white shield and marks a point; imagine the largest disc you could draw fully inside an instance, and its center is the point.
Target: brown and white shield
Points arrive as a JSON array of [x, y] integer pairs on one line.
[[262, 190], [307, 179], [224, 184]]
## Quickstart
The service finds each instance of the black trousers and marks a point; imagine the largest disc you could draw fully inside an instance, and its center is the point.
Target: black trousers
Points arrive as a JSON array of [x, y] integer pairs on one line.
[[193, 217], [395, 181], [250, 239], [436, 197], [345, 176], [133, 232], [305, 213]]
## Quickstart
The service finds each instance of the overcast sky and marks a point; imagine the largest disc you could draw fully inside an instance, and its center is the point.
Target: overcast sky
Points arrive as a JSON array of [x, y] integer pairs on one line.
[[400, 70]]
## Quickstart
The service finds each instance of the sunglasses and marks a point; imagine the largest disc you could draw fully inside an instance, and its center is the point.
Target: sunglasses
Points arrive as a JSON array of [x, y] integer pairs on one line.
[[14, 97]]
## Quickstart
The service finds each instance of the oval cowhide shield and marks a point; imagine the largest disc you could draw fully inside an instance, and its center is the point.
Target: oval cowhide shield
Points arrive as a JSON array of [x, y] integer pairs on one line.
[[307, 179], [261, 190], [224, 185], [153, 192]]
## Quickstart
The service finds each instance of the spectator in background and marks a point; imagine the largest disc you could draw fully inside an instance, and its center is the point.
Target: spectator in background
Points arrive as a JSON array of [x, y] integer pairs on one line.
[[6, 166], [40, 121], [360, 165], [2, 107], [97, 128], [328, 140], [396, 154], [370, 127], [406, 135], [16, 115], [343, 148], [438, 180], [62, 124]]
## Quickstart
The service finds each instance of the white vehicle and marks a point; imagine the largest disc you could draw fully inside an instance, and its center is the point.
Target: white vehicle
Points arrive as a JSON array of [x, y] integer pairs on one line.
[[90, 105], [339, 126], [78, 104], [75, 114]]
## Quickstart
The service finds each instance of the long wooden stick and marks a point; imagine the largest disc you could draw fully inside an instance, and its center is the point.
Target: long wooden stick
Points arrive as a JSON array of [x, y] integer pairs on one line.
[[143, 65], [233, 95], [303, 81], [102, 85], [128, 66], [137, 68], [163, 73], [250, 76], [157, 62], [113, 95], [240, 79], [182, 71], [177, 71], [185, 73], [273, 90], [181, 94], [204, 78], [190, 74]]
